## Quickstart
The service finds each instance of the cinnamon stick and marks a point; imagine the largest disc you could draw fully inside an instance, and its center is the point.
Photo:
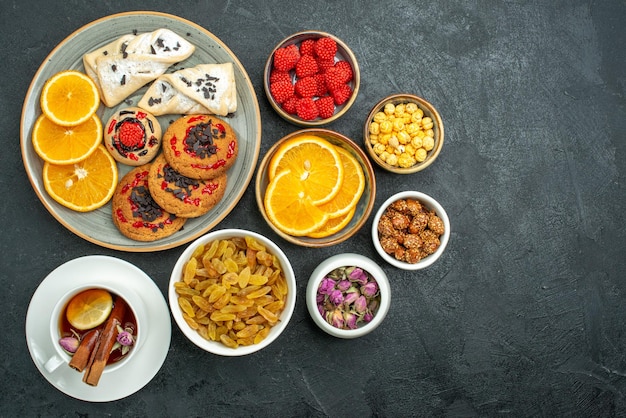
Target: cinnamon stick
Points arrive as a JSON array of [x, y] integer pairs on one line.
[[81, 357], [106, 341]]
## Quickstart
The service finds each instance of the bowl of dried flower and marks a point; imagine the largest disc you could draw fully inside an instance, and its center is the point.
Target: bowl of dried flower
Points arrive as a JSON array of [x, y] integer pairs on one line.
[[348, 295]]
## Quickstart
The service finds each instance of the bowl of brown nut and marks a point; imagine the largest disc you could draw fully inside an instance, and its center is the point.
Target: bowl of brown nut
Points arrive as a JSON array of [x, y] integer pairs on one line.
[[411, 230], [232, 292], [403, 133]]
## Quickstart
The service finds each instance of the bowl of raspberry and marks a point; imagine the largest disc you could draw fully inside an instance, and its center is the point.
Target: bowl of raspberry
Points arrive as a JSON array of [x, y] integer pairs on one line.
[[411, 230], [311, 78]]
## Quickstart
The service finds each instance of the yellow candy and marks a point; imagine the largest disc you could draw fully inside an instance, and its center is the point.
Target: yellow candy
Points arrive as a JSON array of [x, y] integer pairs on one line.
[[416, 142], [420, 155], [379, 148], [427, 123], [428, 143], [392, 159], [386, 127], [405, 160], [379, 117], [410, 107], [399, 110], [403, 137], [398, 125]]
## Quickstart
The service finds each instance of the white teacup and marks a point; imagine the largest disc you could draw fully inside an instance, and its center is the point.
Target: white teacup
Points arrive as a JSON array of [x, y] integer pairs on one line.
[[133, 301]]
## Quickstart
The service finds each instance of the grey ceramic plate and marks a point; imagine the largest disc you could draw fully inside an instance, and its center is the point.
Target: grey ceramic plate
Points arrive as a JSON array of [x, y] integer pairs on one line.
[[97, 226]]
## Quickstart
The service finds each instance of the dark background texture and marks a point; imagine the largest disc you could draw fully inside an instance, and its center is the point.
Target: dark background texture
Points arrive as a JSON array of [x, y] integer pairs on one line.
[[524, 315]]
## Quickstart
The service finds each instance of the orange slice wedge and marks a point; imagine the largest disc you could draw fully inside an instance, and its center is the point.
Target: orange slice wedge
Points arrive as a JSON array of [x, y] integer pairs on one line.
[[333, 225], [69, 98], [83, 186], [351, 188], [289, 208], [314, 162], [58, 144]]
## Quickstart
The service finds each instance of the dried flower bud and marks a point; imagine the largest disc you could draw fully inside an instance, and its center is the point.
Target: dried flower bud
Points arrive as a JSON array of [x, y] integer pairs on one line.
[[358, 275], [351, 297], [368, 316], [350, 320], [344, 285], [69, 344], [369, 289], [360, 305], [326, 286], [125, 338], [336, 318], [336, 297]]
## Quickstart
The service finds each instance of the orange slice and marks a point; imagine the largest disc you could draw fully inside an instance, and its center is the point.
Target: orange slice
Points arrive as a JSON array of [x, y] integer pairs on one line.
[[69, 98], [58, 144], [83, 186], [289, 208], [333, 225], [89, 308], [314, 162], [351, 188]]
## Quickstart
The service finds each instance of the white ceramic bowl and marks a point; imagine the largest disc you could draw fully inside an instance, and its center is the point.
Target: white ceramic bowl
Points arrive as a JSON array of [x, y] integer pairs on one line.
[[429, 203], [217, 347], [346, 260]]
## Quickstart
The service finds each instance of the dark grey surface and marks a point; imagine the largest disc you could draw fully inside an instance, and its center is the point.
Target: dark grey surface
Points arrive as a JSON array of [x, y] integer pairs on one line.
[[522, 316]]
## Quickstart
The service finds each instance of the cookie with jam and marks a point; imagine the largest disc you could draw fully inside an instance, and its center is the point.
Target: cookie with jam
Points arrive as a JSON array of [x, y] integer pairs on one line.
[[132, 136], [200, 146], [136, 214], [183, 196]]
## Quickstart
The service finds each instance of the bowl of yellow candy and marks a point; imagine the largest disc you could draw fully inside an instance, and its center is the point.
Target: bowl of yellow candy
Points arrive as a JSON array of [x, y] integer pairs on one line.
[[403, 133]]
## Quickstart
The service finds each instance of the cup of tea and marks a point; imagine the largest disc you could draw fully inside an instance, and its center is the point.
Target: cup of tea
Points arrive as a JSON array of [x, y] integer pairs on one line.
[[96, 329]]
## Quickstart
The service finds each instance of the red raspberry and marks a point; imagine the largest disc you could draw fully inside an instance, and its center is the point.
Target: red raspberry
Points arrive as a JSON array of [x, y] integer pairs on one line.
[[325, 48], [306, 86], [333, 78], [306, 109], [345, 70], [341, 94], [325, 106], [306, 66], [306, 47], [276, 75], [285, 58], [324, 65], [132, 134], [289, 105], [281, 91], [322, 90]]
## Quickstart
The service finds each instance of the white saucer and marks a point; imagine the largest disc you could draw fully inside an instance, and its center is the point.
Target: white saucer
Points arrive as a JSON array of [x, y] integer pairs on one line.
[[114, 273]]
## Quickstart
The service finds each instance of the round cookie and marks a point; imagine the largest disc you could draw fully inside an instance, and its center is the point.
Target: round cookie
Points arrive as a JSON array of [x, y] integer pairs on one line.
[[183, 196], [200, 146], [132, 136], [136, 214]]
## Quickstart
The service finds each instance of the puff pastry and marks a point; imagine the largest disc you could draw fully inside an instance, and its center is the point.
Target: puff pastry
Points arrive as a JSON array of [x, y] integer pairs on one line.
[[203, 89], [125, 65]]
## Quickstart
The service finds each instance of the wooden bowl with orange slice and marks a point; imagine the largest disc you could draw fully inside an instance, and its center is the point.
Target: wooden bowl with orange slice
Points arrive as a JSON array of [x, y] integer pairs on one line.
[[315, 187]]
